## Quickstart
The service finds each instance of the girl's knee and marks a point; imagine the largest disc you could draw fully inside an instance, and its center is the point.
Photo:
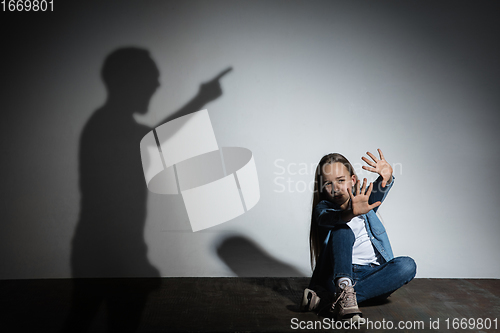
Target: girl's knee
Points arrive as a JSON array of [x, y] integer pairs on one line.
[[407, 267]]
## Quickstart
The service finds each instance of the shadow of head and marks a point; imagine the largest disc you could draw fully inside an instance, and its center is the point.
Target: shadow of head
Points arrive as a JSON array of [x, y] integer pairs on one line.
[[247, 259], [131, 77]]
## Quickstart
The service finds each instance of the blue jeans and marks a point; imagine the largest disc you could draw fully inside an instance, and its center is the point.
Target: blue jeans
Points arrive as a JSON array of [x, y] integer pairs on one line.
[[371, 281]]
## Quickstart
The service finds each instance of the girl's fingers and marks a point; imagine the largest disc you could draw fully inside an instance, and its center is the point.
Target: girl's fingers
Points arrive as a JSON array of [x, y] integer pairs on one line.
[[370, 163], [350, 193], [357, 187], [363, 188], [375, 204], [369, 191], [369, 169], [372, 156], [381, 155]]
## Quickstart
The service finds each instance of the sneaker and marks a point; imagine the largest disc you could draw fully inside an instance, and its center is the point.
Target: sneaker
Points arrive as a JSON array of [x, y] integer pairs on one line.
[[310, 300], [346, 306]]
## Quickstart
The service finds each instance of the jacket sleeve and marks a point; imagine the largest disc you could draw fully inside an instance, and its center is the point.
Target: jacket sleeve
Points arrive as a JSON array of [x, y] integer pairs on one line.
[[326, 215], [378, 192]]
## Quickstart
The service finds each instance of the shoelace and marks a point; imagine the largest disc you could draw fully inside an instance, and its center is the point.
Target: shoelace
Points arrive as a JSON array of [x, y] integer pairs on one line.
[[348, 295], [350, 298]]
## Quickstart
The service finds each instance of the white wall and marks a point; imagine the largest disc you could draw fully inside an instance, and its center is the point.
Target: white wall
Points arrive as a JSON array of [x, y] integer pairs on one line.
[[418, 79]]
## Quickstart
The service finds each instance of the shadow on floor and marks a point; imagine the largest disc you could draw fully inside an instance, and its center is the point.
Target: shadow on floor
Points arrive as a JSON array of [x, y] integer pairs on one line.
[[247, 259]]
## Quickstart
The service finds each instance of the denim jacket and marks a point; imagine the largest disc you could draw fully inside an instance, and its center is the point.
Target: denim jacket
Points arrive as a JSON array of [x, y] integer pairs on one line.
[[327, 215]]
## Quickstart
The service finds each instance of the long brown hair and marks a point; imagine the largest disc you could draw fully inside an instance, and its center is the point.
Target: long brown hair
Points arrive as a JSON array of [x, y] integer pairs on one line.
[[316, 235]]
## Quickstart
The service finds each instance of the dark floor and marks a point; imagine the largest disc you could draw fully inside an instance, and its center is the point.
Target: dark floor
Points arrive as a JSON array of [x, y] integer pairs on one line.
[[237, 305]]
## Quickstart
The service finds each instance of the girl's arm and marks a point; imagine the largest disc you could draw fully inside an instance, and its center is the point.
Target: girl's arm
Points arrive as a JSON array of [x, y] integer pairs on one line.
[[379, 193], [329, 217], [385, 180]]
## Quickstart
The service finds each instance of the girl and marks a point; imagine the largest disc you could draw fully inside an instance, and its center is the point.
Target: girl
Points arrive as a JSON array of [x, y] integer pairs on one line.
[[349, 245]]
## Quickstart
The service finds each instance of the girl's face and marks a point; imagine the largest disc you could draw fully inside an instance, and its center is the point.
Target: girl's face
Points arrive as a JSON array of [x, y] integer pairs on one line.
[[336, 179]]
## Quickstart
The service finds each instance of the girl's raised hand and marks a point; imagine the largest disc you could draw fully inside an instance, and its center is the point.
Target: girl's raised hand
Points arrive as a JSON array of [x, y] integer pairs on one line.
[[380, 166], [359, 203]]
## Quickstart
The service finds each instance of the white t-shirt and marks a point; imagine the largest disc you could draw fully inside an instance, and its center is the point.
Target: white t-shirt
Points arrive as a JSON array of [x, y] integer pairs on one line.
[[363, 252]]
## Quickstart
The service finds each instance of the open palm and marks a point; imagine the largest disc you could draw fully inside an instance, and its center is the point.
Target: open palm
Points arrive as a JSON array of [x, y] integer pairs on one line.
[[359, 202], [380, 166]]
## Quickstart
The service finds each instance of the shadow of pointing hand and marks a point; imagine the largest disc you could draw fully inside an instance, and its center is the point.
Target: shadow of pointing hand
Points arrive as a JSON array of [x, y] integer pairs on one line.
[[212, 90], [208, 92]]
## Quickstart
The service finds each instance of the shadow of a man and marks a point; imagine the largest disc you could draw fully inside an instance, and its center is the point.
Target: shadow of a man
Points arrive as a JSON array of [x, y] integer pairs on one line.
[[109, 237]]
